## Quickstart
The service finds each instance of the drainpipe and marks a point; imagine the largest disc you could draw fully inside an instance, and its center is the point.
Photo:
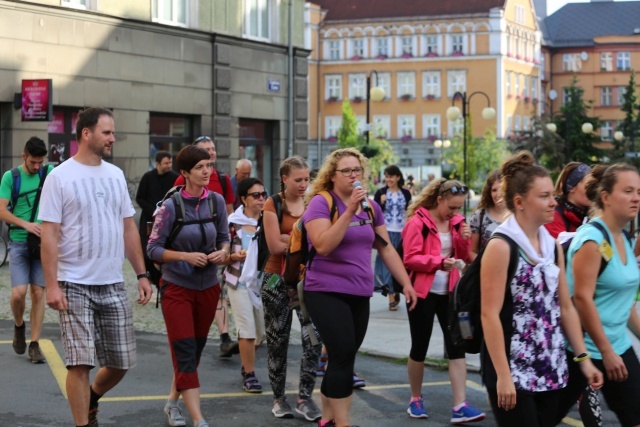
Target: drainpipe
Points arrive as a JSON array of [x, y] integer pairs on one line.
[[290, 82]]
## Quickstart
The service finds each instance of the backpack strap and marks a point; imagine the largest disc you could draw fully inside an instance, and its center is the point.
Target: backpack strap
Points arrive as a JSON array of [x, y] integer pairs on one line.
[[179, 221], [482, 214], [604, 262], [43, 175], [560, 210], [15, 189], [222, 177], [277, 203]]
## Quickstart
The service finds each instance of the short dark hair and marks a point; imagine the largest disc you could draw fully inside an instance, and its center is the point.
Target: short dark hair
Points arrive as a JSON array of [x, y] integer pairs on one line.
[[88, 119], [35, 147], [161, 155], [190, 156], [246, 184]]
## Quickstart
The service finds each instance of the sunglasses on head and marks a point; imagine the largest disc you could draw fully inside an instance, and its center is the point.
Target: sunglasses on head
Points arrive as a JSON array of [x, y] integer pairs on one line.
[[202, 138], [258, 194], [456, 189]]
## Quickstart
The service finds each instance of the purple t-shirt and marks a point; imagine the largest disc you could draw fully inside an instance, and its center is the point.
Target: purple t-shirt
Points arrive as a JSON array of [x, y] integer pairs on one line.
[[348, 268]]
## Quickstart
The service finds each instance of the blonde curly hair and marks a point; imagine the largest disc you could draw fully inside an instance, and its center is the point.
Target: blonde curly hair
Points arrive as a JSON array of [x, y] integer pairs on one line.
[[328, 169], [428, 197]]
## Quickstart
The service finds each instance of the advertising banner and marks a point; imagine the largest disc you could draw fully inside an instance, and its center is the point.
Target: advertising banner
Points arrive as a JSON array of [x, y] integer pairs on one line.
[[37, 100]]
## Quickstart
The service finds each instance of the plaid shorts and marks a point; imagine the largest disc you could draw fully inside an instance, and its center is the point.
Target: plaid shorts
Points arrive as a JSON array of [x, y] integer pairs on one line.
[[98, 323]]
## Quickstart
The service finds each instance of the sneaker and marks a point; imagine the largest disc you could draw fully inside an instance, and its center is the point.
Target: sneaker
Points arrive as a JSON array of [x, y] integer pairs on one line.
[[19, 342], [201, 423], [281, 408], [416, 409], [322, 365], [174, 415], [330, 423], [35, 355], [93, 417], [466, 414], [309, 410], [229, 348], [358, 382], [251, 383]]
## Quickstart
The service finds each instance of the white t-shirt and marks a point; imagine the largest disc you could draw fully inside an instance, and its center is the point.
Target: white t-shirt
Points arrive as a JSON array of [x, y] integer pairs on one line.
[[89, 203], [440, 284]]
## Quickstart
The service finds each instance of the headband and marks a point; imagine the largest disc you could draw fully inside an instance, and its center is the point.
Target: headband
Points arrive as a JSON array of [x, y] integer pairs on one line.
[[576, 176]]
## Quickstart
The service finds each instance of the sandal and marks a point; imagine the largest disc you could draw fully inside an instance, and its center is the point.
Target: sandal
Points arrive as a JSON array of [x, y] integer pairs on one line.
[[251, 383], [393, 306]]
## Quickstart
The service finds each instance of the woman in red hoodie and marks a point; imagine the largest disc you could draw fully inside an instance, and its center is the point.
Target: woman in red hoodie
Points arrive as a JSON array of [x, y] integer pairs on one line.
[[436, 243], [573, 203]]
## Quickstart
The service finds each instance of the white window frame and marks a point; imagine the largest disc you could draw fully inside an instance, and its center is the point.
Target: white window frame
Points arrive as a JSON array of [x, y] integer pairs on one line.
[[382, 46], [621, 92], [606, 130], [384, 81], [382, 126], [157, 5], [509, 128], [334, 48], [526, 123], [458, 43], [333, 86], [456, 82], [565, 95], [406, 83], [407, 45], [431, 44], [534, 87], [455, 127], [516, 86], [431, 125], [358, 86], [509, 88], [357, 47], [525, 88], [606, 96], [623, 58], [266, 7], [606, 61], [79, 4], [519, 14], [431, 84], [332, 126], [406, 126], [517, 124]]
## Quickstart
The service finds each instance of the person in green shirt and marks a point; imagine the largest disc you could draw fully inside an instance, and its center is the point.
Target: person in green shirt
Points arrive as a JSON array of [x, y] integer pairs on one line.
[[26, 272]]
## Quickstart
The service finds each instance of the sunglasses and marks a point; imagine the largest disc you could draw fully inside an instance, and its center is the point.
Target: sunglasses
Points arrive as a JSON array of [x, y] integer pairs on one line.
[[349, 171], [456, 189], [202, 138], [258, 194]]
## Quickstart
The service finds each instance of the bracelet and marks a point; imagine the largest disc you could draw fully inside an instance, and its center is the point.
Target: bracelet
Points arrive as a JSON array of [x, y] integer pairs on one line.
[[582, 357]]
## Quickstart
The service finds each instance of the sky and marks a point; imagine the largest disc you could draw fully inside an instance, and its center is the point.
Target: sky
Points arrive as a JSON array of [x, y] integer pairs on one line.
[[553, 5]]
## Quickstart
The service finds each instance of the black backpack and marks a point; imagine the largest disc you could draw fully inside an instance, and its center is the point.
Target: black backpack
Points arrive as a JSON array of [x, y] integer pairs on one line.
[[465, 325], [263, 248]]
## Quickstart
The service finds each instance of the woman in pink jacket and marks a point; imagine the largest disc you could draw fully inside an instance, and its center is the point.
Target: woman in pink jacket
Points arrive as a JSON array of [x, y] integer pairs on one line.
[[436, 244]]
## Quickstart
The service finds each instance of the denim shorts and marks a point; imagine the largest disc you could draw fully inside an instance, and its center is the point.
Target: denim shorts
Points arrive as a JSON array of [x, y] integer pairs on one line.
[[24, 269]]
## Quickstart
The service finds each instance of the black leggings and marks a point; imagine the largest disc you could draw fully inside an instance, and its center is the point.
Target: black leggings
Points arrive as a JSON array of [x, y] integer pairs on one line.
[[532, 409], [341, 320], [421, 326]]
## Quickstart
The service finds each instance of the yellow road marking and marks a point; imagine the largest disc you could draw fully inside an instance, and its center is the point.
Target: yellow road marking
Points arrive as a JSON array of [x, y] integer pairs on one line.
[[56, 364], [6, 342], [572, 422]]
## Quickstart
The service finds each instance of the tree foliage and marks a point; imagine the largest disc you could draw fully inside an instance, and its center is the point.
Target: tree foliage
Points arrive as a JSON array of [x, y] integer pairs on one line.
[[546, 146], [631, 122]]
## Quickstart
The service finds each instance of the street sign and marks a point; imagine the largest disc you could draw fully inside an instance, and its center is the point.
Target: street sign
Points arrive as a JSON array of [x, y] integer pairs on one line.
[[632, 154]]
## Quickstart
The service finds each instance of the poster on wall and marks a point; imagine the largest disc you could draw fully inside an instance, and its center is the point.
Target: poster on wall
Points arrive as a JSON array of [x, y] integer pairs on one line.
[[37, 100]]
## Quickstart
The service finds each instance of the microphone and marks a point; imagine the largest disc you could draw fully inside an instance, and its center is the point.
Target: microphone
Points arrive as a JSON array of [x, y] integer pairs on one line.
[[364, 203]]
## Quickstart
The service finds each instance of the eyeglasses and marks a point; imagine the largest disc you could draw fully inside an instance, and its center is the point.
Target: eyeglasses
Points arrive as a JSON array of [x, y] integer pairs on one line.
[[202, 138], [257, 194], [349, 171], [455, 189]]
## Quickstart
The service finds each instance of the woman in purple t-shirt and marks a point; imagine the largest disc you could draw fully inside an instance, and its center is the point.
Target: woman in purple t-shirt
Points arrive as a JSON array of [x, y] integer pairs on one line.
[[340, 281]]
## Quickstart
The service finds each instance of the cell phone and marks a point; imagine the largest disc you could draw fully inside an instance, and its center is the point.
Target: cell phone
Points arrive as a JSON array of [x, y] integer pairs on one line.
[[464, 321]]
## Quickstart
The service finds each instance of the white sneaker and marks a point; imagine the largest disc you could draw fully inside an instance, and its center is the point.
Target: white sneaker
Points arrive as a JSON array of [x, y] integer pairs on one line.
[[174, 414]]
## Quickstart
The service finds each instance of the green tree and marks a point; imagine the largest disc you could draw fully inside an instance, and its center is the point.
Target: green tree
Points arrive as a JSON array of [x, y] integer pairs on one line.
[[546, 146], [379, 150], [483, 155], [578, 146], [628, 126]]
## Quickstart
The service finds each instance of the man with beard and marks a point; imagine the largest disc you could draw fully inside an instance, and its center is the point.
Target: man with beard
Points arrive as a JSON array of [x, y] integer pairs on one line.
[[87, 229]]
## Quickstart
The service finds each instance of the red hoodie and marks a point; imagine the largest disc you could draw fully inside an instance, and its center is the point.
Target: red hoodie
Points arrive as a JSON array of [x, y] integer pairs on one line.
[[422, 256]]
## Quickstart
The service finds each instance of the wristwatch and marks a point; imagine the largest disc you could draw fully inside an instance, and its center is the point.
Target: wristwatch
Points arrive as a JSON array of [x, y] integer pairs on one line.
[[143, 275]]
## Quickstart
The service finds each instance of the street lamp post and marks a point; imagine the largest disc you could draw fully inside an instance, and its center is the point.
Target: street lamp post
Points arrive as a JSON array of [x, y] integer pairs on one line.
[[453, 113], [375, 94], [442, 144]]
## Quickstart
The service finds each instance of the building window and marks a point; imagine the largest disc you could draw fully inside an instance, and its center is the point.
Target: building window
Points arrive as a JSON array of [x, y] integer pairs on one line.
[[525, 91], [526, 123], [432, 45], [406, 85], [624, 61], [256, 19], [334, 50], [333, 87], [431, 84], [78, 4], [622, 91], [534, 88], [508, 81], [406, 45], [357, 86], [606, 96], [457, 43], [565, 95], [606, 61], [456, 127], [383, 46], [381, 126], [430, 125], [606, 130], [457, 81], [406, 126], [509, 125], [358, 47], [331, 126], [517, 84], [168, 133], [571, 62], [384, 82], [519, 14], [516, 127], [172, 12]]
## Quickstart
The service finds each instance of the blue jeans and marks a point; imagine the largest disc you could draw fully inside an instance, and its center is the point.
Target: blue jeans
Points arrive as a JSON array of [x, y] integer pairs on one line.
[[24, 269], [381, 271]]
